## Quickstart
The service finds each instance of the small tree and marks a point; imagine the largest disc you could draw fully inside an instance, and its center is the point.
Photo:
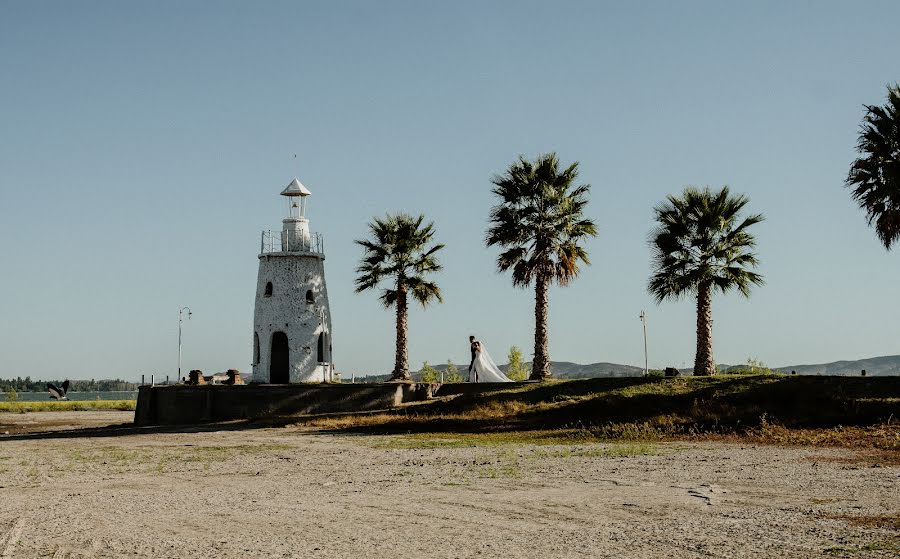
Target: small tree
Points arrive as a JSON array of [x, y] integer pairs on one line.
[[12, 395], [517, 370], [452, 374], [429, 373], [756, 366]]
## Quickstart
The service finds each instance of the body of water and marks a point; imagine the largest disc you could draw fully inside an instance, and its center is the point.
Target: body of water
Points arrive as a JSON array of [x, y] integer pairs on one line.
[[39, 396]]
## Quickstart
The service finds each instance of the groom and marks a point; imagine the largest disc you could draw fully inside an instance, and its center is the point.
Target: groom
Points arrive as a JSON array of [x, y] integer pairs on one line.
[[473, 345]]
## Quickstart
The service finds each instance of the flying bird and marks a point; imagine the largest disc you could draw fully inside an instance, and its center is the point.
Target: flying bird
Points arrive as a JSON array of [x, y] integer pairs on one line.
[[58, 393]]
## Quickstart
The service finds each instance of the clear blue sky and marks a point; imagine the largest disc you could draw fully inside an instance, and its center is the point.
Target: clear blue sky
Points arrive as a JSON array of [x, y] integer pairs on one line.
[[143, 146]]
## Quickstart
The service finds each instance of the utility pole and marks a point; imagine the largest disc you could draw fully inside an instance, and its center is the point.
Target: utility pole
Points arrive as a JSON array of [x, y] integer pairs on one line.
[[180, 313], [644, 322]]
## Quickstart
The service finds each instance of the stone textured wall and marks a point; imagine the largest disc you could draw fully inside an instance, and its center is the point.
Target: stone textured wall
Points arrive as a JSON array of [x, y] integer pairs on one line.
[[184, 404], [287, 310]]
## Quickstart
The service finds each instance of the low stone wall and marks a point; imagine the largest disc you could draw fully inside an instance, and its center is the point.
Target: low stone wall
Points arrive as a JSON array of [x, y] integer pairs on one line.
[[183, 404]]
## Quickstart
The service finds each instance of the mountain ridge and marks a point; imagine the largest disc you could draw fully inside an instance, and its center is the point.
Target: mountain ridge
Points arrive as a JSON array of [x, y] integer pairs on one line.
[[875, 366], [885, 365]]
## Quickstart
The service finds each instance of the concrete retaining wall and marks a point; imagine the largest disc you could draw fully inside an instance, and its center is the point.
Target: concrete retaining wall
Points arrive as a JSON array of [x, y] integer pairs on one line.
[[181, 404]]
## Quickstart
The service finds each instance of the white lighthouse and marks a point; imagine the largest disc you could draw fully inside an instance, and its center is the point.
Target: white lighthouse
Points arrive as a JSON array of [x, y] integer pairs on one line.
[[292, 320]]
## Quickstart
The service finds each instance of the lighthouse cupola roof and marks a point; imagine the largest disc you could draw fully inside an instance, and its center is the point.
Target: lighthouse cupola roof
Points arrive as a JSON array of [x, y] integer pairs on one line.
[[295, 188]]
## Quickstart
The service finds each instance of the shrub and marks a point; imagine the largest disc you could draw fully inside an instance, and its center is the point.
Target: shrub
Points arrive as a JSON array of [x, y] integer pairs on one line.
[[756, 366], [429, 373], [452, 374], [516, 369]]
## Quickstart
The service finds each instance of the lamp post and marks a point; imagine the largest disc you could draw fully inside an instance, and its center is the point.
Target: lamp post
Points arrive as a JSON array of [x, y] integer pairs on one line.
[[644, 322], [180, 314]]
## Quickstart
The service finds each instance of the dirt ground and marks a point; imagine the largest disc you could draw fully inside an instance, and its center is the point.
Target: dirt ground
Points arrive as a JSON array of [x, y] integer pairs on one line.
[[18, 423], [290, 492]]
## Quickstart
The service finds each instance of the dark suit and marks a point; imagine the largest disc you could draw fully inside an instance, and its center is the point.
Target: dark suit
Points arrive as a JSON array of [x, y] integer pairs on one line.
[[472, 347]]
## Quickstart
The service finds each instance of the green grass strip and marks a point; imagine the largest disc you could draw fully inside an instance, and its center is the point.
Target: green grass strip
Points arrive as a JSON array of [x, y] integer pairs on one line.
[[68, 405]]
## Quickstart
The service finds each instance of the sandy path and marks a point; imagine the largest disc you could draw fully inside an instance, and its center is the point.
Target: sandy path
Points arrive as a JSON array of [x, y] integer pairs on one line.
[[290, 493]]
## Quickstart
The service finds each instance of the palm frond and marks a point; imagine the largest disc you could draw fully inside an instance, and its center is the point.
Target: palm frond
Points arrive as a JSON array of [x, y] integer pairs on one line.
[[424, 291], [874, 178]]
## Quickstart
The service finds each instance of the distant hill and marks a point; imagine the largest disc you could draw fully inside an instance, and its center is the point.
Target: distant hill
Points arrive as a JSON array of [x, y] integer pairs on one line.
[[874, 366], [561, 369], [566, 369]]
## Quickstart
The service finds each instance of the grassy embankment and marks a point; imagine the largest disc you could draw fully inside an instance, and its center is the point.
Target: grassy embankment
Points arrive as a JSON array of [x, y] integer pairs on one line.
[[861, 412], [67, 405]]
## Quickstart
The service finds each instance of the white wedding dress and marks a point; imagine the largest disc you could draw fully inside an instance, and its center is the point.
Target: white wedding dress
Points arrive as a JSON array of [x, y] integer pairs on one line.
[[486, 368]]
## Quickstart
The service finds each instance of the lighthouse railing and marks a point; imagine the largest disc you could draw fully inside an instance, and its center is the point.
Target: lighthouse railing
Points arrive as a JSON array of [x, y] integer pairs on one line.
[[288, 241]]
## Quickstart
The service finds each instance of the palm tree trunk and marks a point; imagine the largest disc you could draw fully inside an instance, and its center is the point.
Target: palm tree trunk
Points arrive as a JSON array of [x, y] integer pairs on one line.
[[540, 369], [704, 364], [401, 360]]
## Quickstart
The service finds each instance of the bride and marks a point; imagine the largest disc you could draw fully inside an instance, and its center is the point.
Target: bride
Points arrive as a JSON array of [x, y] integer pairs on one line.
[[483, 368]]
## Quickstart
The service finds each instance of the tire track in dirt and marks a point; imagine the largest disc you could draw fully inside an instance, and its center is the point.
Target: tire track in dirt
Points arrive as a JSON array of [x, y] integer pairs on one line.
[[12, 537]]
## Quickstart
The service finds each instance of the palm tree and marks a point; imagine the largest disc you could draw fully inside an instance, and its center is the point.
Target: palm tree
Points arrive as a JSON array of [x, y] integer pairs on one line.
[[399, 251], [700, 245], [875, 177], [539, 223]]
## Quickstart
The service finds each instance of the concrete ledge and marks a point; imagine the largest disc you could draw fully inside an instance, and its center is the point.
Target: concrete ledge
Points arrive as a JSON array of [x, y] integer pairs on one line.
[[453, 388], [185, 405]]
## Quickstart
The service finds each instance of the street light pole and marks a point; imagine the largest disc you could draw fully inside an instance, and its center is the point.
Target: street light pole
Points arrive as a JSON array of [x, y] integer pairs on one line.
[[180, 313], [644, 322]]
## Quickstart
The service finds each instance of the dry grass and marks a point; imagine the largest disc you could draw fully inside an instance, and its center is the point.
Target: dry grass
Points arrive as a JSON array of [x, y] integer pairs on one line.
[[882, 521], [68, 405], [844, 412], [890, 547], [883, 437], [418, 415], [466, 440], [151, 459], [864, 458]]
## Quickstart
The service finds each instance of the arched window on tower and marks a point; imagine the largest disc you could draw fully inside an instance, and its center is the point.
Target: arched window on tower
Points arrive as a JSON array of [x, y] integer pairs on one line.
[[310, 299], [320, 349], [268, 291]]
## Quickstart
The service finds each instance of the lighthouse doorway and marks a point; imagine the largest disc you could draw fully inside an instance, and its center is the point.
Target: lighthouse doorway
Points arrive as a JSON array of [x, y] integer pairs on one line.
[[279, 359]]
